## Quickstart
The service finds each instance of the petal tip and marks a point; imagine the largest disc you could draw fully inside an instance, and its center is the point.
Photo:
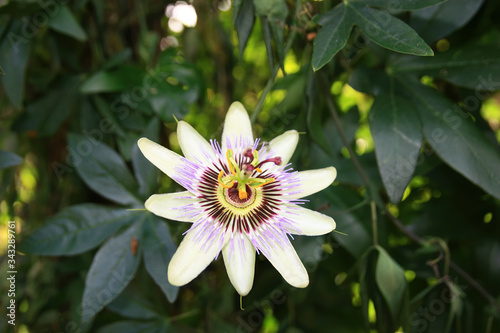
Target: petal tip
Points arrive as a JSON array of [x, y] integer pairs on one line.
[[175, 277], [149, 202], [299, 281], [237, 111], [334, 225], [143, 143], [236, 106], [182, 124], [242, 291], [333, 173], [292, 137]]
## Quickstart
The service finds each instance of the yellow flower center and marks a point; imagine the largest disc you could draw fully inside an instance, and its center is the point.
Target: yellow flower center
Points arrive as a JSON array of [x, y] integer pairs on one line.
[[242, 177]]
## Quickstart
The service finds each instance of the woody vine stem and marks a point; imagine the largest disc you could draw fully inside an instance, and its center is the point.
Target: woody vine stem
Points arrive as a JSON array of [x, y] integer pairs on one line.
[[397, 223]]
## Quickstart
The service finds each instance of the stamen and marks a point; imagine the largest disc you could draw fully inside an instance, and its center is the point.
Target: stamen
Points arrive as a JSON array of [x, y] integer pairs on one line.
[[267, 181], [230, 161], [250, 163], [220, 180]]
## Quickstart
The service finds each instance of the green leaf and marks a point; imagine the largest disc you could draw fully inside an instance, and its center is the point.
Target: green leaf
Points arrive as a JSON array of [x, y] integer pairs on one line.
[[455, 138], [434, 23], [396, 132], [244, 22], [145, 172], [14, 54], [125, 77], [332, 37], [159, 247], [100, 9], [349, 221], [391, 281], [104, 108], [118, 58], [436, 296], [456, 303], [387, 30], [347, 174], [177, 87], [47, 114], [369, 80], [103, 170], [278, 31], [364, 285], [314, 118], [8, 159], [132, 326], [236, 9], [399, 5], [274, 10], [268, 41], [474, 66], [65, 22], [112, 269], [132, 305], [76, 229], [273, 15]]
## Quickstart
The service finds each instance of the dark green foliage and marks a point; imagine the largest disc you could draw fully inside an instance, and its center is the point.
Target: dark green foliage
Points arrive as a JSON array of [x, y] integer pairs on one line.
[[401, 97]]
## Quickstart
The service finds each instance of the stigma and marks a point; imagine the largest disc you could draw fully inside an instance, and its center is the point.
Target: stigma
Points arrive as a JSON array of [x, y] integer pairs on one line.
[[247, 174]]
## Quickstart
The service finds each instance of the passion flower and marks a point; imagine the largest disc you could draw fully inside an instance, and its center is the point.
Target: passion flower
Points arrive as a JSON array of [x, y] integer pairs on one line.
[[242, 197]]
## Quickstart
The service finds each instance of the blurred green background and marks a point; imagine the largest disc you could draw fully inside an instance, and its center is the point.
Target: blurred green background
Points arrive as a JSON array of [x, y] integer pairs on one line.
[[414, 138]]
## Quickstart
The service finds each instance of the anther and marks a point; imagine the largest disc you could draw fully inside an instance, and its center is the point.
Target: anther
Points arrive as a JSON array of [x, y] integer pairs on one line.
[[268, 181], [219, 179]]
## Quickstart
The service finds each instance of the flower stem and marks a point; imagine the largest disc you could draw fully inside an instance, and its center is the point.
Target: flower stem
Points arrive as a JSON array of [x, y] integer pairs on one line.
[[470, 280], [373, 209], [275, 70], [397, 223], [333, 110], [354, 159]]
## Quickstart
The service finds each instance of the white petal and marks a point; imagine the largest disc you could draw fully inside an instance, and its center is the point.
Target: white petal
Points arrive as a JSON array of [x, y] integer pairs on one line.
[[178, 206], [306, 221], [239, 258], [312, 181], [236, 125], [163, 158], [190, 260], [287, 262], [284, 145], [193, 145]]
